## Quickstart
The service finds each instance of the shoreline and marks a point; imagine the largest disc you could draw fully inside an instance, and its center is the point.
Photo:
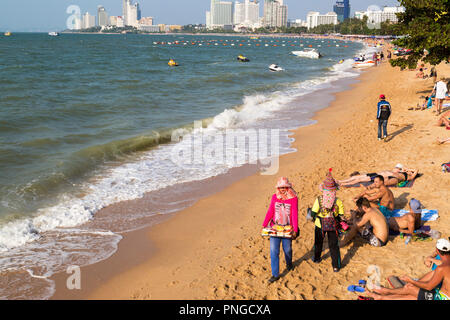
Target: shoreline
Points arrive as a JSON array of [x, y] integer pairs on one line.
[[202, 253], [131, 239]]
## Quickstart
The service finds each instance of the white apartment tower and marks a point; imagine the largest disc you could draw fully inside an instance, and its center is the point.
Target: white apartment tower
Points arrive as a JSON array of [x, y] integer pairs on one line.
[[221, 13], [131, 13], [102, 16], [88, 21], [314, 19], [275, 13]]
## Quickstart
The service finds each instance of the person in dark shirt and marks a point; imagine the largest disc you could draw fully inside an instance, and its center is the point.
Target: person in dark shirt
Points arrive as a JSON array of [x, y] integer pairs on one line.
[[383, 114]]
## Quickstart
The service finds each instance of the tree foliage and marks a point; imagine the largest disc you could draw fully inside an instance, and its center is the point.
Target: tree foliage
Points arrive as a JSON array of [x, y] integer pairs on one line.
[[426, 26]]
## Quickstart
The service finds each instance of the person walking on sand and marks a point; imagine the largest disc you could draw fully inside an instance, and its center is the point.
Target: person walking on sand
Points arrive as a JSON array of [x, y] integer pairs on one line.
[[327, 210], [383, 114], [440, 89], [283, 211]]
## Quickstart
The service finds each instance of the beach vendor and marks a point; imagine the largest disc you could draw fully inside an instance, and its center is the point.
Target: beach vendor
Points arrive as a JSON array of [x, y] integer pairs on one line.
[[327, 210], [283, 211]]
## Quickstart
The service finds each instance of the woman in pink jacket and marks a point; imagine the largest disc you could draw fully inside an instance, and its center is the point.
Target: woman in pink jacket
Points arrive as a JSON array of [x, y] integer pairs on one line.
[[283, 211]]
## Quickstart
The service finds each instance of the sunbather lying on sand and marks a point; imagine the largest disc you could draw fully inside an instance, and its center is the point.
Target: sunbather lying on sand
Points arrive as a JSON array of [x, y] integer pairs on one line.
[[391, 178]]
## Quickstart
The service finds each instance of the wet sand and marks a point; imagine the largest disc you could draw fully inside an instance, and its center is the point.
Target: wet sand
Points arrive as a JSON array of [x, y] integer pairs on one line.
[[213, 249]]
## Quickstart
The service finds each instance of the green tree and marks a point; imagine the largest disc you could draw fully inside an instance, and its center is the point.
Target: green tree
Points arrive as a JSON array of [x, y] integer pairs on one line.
[[425, 25]]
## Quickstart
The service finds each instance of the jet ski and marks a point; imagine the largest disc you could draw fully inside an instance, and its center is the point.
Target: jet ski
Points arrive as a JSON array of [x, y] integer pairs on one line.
[[274, 67], [241, 58], [172, 63]]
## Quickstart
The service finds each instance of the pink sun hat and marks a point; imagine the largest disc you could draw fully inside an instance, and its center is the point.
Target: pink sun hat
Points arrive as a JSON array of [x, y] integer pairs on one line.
[[283, 182]]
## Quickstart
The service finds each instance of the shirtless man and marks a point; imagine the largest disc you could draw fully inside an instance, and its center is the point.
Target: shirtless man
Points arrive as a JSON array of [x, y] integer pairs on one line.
[[427, 287], [379, 196], [410, 221], [372, 225]]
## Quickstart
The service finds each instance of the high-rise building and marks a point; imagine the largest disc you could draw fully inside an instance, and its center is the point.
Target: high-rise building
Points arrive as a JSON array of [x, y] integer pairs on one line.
[[221, 14], [376, 15], [102, 16], [342, 9], [88, 21], [239, 12], [315, 19], [131, 13], [275, 13]]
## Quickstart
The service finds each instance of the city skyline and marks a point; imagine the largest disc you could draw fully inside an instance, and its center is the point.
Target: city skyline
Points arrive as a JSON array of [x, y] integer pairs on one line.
[[50, 15]]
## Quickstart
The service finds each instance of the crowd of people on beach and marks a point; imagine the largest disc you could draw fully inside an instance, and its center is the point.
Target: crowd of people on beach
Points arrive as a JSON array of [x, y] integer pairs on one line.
[[374, 218]]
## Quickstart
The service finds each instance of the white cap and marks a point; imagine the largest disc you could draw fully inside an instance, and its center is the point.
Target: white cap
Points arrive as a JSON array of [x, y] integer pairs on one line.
[[399, 165], [443, 245]]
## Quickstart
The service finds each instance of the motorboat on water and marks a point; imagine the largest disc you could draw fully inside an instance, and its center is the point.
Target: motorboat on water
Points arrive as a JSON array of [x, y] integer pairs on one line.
[[7, 33], [363, 64], [274, 67], [172, 63], [241, 58], [308, 53], [53, 34]]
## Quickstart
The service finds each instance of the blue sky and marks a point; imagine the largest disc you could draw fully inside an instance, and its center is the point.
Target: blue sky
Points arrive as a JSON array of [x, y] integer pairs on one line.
[[48, 15]]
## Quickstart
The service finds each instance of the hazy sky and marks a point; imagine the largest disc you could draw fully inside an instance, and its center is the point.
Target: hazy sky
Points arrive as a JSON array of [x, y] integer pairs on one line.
[[48, 15]]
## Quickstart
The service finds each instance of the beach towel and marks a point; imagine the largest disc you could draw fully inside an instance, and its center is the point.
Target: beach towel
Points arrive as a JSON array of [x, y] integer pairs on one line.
[[427, 215]]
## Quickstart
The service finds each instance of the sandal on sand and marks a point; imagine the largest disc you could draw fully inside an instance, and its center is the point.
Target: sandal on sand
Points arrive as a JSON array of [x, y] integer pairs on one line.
[[395, 282], [354, 288], [364, 298]]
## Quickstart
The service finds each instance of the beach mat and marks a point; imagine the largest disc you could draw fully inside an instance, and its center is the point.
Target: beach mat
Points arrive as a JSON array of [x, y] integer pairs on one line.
[[427, 215]]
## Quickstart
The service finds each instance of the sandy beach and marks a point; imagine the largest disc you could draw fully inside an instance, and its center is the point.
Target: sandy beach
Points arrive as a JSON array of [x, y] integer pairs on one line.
[[214, 250]]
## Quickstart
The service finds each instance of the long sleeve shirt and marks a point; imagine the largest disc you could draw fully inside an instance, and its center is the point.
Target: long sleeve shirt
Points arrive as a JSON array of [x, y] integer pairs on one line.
[[275, 208]]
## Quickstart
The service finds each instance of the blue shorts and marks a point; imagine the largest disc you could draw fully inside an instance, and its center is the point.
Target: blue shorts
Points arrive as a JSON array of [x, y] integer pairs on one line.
[[386, 212]]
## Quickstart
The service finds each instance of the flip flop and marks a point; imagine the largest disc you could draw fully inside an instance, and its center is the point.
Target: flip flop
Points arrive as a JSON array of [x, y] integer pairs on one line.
[[365, 298], [362, 283], [354, 288], [395, 282]]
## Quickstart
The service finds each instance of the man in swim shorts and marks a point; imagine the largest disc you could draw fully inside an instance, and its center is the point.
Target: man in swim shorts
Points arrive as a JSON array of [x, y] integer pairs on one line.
[[435, 285], [372, 225], [410, 221], [380, 196]]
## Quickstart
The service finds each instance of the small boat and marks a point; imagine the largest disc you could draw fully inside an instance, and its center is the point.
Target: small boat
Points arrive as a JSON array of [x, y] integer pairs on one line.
[[364, 64], [53, 34], [172, 63], [241, 58], [274, 67], [7, 33], [308, 53], [341, 61]]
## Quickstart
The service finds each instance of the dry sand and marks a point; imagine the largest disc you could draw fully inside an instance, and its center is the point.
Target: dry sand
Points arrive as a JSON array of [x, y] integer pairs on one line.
[[213, 250]]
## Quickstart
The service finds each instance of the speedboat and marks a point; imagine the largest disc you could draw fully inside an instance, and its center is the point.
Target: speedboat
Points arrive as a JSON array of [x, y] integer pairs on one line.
[[53, 34], [7, 33], [363, 64], [172, 63], [241, 58], [274, 67], [308, 53]]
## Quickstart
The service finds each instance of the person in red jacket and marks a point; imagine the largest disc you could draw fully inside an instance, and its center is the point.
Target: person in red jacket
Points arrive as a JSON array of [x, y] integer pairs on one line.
[[283, 211]]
